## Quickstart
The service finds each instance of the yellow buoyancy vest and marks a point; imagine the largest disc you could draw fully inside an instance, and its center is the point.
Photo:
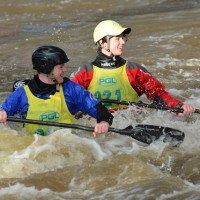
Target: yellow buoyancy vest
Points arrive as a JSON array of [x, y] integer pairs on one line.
[[112, 84], [52, 109]]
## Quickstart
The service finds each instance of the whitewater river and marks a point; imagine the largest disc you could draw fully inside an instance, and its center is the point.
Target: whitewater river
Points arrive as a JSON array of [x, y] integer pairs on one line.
[[71, 164]]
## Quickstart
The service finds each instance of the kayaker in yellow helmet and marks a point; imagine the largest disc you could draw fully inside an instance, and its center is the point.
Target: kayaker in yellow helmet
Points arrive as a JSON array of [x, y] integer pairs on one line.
[[112, 77]]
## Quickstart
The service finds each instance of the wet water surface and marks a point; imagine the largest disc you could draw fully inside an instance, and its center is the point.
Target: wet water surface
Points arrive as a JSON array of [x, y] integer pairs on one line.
[[71, 164]]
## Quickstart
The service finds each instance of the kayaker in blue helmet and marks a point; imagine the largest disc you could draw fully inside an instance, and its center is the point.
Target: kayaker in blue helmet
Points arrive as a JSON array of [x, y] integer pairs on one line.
[[50, 96]]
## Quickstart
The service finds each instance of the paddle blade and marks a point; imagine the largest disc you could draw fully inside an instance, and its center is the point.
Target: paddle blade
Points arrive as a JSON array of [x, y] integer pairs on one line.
[[173, 136], [135, 133], [150, 133]]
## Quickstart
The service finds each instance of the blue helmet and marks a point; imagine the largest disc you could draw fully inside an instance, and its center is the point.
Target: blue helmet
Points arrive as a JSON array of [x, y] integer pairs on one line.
[[45, 58]]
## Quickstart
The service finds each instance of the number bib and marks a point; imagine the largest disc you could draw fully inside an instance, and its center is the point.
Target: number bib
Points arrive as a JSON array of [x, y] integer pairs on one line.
[[112, 84], [52, 109]]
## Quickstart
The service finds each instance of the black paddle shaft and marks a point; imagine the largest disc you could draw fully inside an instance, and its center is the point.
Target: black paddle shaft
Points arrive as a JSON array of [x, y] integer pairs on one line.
[[143, 133], [144, 105]]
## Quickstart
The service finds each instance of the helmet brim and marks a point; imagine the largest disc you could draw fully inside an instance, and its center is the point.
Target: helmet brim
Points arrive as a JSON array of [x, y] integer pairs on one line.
[[127, 31]]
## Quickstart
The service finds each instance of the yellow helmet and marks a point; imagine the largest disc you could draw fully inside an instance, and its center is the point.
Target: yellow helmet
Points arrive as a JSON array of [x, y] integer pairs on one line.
[[108, 27]]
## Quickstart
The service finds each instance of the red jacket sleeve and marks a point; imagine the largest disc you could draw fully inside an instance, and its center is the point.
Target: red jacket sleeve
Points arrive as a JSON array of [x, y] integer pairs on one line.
[[83, 76], [145, 83]]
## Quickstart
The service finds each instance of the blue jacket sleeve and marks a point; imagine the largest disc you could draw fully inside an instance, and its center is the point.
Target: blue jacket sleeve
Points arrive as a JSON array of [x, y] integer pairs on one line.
[[16, 103], [79, 99]]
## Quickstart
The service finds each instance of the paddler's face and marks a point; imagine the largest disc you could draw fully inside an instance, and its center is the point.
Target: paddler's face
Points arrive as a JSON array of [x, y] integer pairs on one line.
[[117, 44], [58, 72]]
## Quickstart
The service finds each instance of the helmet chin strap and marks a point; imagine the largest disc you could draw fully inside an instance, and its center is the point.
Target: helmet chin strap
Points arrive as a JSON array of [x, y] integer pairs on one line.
[[99, 43], [108, 47], [51, 76]]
